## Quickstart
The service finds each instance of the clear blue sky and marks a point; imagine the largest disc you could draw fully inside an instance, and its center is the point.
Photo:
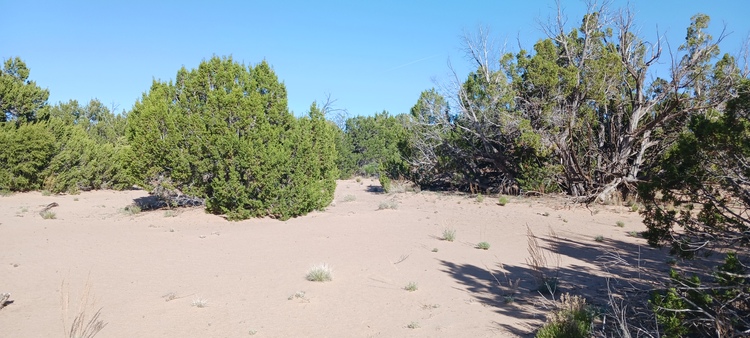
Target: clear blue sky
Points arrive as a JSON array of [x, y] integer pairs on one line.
[[369, 55]]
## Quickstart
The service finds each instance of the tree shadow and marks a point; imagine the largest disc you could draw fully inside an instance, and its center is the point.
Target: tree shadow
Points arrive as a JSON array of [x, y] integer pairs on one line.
[[375, 189], [631, 270], [150, 202], [154, 202]]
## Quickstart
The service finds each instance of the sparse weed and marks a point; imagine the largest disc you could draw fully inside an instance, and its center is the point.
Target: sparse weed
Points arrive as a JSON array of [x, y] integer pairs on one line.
[[502, 200], [434, 249], [545, 214], [633, 234], [634, 207], [298, 295], [5, 193], [82, 325], [24, 209], [411, 287], [538, 260], [480, 198], [349, 198], [599, 238], [199, 302], [358, 179], [413, 325], [620, 224], [169, 296], [252, 332], [170, 213], [483, 246], [132, 209], [46, 193], [75, 199], [391, 204], [449, 235], [48, 214], [320, 273]]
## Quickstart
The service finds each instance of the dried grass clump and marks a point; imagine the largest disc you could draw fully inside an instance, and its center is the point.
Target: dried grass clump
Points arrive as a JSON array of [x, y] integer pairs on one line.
[[320, 273]]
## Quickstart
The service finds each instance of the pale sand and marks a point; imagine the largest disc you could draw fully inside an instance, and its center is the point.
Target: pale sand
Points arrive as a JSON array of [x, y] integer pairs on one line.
[[246, 271]]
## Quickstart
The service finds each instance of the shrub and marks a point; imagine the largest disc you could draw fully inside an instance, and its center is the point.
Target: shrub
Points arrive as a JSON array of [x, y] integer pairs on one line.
[[483, 246], [223, 132], [572, 319], [411, 287], [90, 152], [449, 235], [620, 224], [24, 153], [199, 302], [702, 308], [82, 163], [502, 200], [132, 209], [374, 144], [320, 273], [390, 204], [48, 214], [385, 183]]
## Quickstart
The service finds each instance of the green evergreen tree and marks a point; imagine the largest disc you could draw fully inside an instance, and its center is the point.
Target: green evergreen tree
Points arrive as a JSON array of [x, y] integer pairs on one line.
[[89, 151], [20, 98], [375, 143], [24, 153], [223, 132]]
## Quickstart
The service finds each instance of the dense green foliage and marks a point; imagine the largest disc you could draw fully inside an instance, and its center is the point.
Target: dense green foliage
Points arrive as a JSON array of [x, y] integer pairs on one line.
[[24, 153], [20, 98], [373, 144], [90, 152], [575, 114], [704, 180], [63, 148], [716, 306], [223, 132], [697, 201]]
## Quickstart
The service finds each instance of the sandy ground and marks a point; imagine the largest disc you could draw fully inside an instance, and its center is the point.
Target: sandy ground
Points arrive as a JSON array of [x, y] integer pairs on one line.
[[146, 270]]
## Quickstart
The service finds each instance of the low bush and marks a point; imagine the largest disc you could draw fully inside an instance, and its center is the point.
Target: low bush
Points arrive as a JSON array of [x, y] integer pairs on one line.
[[572, 319]]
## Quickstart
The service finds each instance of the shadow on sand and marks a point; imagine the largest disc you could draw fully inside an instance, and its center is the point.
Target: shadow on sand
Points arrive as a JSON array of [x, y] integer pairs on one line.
[[632, 269]]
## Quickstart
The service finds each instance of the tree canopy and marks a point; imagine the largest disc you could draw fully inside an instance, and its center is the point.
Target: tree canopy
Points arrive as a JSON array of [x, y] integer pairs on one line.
[[20, 98], [223, 132]]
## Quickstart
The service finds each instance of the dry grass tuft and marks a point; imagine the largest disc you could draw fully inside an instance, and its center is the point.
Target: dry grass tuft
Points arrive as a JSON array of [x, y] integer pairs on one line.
[[539, 262], [82, 326], [320, 273]]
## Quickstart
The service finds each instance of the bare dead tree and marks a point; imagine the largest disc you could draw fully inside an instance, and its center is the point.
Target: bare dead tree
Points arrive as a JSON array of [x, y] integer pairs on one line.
[[333, 113]]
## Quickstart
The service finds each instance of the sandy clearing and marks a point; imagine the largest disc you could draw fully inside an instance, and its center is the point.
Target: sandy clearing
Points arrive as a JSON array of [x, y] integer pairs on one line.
[[246, 271]]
